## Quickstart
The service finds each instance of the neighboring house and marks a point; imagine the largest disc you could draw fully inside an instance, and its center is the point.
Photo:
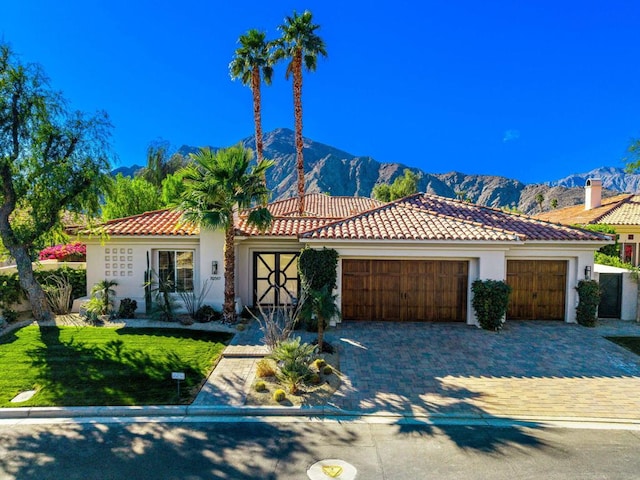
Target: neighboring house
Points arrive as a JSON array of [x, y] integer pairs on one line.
[[622, 212], [413, 259]]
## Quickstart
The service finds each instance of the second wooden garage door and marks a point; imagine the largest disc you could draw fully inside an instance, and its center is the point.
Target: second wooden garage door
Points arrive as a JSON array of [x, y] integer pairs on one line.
[[538, 289], [404, 290]]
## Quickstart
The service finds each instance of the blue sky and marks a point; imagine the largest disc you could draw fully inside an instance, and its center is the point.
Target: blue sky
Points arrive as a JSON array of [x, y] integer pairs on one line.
[[531, 89]]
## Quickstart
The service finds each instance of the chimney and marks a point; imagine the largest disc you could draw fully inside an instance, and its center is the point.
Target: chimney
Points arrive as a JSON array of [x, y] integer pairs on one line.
[[593, 193]]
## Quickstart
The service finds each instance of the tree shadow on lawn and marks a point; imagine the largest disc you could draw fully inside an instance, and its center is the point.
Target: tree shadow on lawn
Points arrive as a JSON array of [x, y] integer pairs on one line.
[[73, 373], [158, 451]]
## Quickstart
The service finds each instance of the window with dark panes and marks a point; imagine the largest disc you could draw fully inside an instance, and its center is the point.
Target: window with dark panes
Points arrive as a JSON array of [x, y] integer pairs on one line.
[[176, 267]]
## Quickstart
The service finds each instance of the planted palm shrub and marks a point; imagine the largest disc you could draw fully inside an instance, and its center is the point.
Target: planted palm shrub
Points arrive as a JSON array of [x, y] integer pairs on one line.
[[490, 301], [102, 298], [293, 359]]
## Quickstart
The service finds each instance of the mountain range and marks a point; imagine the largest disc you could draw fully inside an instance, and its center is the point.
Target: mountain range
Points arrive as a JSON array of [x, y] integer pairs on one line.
[[336, 172]]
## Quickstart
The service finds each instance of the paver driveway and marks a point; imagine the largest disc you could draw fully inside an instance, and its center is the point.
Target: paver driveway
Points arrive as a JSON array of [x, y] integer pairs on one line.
[[530, 368]]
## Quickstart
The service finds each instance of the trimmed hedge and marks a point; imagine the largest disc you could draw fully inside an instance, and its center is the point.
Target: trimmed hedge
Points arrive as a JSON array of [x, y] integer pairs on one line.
[[490, 301], [587, 309]]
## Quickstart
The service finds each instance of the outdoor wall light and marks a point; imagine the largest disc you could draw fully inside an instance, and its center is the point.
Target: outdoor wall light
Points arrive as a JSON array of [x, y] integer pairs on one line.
[[214, 267], [587, 272]]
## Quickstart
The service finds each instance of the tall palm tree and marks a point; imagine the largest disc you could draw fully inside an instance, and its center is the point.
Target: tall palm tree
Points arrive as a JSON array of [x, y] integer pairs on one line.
[[252, 65], [300, 45], [217, 186]]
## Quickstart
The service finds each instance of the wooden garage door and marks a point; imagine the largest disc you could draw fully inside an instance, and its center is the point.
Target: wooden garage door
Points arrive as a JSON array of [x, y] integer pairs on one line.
[[538, 289], [404, 290]]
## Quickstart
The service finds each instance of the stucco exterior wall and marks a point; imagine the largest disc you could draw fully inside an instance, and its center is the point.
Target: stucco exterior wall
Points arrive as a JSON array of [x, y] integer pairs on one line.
[[124, 259], [628, 310]]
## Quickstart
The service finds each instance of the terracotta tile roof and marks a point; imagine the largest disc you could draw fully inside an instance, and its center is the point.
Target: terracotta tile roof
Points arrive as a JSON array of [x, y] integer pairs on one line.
[[282, 226], [626, 213], [577, 215], [430, 217], [400, 222], [159, 222], [323, 206]]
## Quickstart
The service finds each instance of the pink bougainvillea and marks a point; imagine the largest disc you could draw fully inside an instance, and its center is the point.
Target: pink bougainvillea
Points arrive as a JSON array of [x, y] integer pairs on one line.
[[71, 252]]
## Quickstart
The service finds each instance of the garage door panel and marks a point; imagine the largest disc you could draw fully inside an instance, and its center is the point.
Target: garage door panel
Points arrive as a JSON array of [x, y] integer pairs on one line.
[[407, 290], [538, 289]]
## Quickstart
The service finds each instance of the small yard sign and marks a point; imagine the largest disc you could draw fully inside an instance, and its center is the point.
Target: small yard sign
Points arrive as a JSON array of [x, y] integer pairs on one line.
[[177, 376]]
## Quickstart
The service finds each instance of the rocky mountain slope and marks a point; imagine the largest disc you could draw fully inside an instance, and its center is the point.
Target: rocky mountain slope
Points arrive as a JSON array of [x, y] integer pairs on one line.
[[336, 172]]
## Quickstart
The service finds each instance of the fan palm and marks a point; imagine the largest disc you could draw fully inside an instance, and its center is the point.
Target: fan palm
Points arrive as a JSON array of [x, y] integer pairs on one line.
[[252, 65], [218, 185], [300, 46]]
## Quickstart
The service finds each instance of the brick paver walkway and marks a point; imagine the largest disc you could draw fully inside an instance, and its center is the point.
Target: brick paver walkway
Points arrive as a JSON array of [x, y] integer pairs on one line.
[[530, 368]]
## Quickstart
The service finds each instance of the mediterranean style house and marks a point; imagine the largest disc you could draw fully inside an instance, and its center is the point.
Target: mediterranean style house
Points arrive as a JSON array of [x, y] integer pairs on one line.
[[622, 212], [412, 259], [619, 289]]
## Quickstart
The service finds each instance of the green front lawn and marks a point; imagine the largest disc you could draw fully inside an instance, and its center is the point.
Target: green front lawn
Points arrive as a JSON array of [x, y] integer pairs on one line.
[[630, 343], [71, 366]]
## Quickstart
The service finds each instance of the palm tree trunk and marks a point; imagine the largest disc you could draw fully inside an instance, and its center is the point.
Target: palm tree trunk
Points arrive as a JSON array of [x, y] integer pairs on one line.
[[257, 114], [297, 111], [229, 310]]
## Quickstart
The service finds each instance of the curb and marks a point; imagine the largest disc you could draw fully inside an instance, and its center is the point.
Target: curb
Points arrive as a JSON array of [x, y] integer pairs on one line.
[[321, 413]]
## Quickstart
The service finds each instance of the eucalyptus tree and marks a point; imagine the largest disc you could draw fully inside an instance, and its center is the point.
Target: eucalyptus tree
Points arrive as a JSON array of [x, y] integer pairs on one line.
[[252, 64], [219, 186], [52, 159], [300, 46]]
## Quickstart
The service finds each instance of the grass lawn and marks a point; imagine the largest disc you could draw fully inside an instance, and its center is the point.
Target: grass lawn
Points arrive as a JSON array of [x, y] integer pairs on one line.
[[630, 343], [70, 366]]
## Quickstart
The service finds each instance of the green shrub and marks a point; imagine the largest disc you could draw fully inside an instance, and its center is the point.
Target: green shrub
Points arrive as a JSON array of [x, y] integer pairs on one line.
[[490, 300], [279, 395], [76, 277], [314, 379], [589, 299], [10, 290], [327, 370], [260, 386], [127, 308], [10, 315]]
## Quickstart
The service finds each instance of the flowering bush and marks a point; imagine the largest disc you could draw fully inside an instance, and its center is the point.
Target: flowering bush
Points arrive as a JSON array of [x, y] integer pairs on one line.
[[71, 252]]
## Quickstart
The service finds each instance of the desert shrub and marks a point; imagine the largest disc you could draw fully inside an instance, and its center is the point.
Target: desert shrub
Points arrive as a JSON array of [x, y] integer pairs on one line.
[[279, 395], [276, 323], [193, 301], [327, 370], [206, 313], [58, 291], [265, 368], [589, 299], [127, 308], [77, 278], [490, 300], [260, 386], [314, 379], [319, 363]]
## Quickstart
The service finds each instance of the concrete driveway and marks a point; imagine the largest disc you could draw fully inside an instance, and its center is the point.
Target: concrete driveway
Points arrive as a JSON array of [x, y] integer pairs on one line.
[[542, 369]]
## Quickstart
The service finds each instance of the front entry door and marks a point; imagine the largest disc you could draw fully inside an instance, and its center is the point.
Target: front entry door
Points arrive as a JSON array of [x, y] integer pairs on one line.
[[275, 278]]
